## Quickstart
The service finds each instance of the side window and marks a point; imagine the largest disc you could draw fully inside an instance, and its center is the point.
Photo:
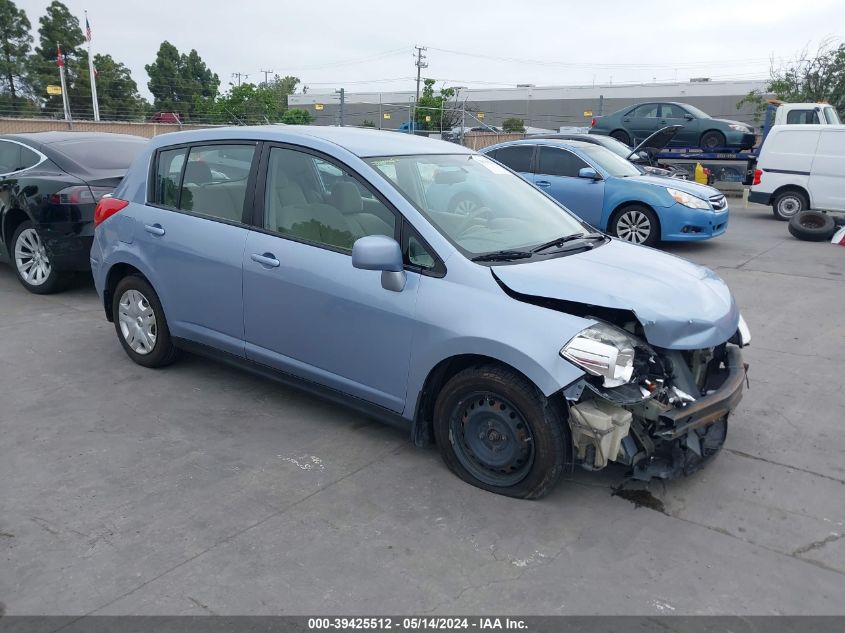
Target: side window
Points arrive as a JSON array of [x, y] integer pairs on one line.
[[559, 162], [214, 181], [168, 175], [831, 116], [335, 217], [645, 111], [802, 117], [517, 157], [15, 157], [669, 111]]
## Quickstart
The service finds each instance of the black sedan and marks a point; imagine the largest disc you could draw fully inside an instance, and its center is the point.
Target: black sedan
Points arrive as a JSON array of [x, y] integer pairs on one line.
[[50, 183]]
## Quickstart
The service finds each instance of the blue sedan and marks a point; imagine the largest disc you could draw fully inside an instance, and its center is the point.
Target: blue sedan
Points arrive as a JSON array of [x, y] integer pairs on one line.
[[610, 193]]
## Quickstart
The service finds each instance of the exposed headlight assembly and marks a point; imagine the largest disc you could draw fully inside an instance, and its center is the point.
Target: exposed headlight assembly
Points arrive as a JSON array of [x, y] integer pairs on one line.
[[688, 200], [603, 350], [740, 128]]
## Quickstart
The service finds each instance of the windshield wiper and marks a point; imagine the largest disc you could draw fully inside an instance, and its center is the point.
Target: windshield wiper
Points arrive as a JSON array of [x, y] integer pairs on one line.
[[560, 241], [501, 256]]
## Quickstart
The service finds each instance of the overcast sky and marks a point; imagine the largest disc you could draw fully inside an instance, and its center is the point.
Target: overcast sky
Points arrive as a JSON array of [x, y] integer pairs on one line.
[[368, 45]]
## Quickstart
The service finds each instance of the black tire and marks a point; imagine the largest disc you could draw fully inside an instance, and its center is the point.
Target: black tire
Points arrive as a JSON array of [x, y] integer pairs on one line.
[[496, 431], [464, 204], [622, 136], [812, 226], [624, 221], [162, 351], [30, 270], [712, 139], [789, 203]]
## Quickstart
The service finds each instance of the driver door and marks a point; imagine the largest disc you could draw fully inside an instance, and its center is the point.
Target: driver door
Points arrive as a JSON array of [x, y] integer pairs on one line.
[[557, 175], [672, 114]]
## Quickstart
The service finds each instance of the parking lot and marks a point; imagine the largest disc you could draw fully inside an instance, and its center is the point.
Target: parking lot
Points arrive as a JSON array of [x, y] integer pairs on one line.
[[201, 489]]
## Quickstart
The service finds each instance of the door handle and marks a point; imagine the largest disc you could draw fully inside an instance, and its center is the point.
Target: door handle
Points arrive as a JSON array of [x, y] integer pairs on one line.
[[543, 183], [626, 120], [154, 229], [267, 259]]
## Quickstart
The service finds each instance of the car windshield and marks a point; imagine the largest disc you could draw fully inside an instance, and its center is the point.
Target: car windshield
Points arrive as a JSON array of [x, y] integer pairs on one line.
[[698, 114], [478, 205], [612, 163]]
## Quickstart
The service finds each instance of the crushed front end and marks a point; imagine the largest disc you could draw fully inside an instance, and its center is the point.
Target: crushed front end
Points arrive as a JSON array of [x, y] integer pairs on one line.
[[662, 412]]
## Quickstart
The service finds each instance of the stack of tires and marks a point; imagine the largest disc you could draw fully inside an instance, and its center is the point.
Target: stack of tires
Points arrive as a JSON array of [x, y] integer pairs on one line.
[[812, 226]]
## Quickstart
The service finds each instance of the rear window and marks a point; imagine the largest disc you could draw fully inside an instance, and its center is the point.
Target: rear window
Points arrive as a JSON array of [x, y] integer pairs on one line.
[[802, 117], [101, 154]]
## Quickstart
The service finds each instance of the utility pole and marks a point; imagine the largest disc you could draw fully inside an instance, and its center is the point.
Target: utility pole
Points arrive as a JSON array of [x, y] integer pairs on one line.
[[239, 75], [342, 94], [266, 74], [420, 63]]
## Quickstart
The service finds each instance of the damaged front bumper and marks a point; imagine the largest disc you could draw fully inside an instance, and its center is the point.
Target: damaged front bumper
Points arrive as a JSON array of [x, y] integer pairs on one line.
[[658, 439]]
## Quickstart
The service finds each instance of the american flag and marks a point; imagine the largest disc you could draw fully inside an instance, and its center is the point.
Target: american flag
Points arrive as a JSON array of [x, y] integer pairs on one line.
[[87, 29], [60, 59]]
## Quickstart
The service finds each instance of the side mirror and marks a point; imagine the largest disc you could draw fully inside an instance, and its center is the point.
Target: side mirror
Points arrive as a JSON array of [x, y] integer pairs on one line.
[[379, 252], [688, 116], [589, 172]]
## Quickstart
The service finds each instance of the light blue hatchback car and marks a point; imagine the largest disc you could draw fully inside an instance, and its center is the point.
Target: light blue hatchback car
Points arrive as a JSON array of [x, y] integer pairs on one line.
[[513, 336], [614, 195]]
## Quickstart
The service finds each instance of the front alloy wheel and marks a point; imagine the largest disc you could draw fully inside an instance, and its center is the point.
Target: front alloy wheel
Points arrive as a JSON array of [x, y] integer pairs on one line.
[[636, 225]]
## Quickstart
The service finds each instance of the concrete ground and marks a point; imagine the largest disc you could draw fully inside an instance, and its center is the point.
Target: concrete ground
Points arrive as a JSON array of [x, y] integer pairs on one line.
[[201, 489]]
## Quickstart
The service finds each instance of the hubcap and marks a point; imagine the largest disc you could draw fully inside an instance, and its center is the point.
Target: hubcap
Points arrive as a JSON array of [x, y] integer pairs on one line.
[[789, 206], [492, 440], [633, 226], [465, 207], [137, 322], [31, 259]]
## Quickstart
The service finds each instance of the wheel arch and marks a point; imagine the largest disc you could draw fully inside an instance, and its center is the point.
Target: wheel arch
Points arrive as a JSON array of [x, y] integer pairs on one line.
[[792, 187], [708, 131], [12, 219], [118, 271], [422, 428]]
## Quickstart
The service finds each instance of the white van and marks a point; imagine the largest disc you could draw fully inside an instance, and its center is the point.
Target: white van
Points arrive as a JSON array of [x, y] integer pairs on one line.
[[801, 167]]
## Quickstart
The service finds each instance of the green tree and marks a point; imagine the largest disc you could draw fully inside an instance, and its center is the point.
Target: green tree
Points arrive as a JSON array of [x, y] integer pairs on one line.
[[15, 43], [58, 27], [367, 123], [297, 116], [513, 125], [808, 79], [436, 107], [282, 87], [182, 83], [247, 104], [117, 92]]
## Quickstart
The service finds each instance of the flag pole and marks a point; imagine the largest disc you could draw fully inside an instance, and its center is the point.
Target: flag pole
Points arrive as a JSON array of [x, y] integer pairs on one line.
[[91, 71], [60, 60]]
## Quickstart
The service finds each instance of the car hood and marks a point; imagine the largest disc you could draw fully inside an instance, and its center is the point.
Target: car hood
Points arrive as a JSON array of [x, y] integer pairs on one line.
[[687, 186], [679, 304], [658, 140]]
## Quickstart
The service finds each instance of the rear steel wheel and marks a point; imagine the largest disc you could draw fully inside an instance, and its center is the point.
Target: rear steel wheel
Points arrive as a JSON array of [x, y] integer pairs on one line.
[[137, 322]]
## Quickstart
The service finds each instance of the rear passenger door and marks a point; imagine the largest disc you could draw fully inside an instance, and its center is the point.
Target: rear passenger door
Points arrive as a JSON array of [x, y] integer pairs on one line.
[[307, 311], [641, 122], [193, 232]]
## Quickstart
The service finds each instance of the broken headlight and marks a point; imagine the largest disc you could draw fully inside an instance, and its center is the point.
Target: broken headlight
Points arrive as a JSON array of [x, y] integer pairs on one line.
[[603, 350]]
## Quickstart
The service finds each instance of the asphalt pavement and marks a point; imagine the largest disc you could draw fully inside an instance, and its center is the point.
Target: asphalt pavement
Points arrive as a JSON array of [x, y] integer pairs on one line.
[[201, 489]]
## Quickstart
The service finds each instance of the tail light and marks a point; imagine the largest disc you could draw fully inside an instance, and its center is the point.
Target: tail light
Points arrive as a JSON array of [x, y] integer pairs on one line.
[[106, 208], [758, 174], [81, 194], [593, 122]]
